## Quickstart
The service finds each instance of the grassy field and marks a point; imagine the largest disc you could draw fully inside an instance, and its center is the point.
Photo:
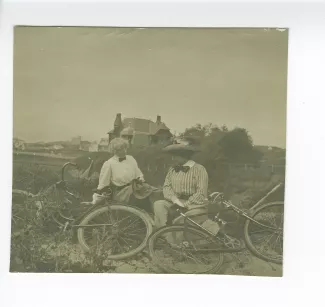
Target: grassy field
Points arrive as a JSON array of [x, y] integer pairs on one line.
[[37, 245], [39, 158]]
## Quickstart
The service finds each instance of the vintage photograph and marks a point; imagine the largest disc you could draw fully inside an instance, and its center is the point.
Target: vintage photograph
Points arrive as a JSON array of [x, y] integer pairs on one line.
[[149, 150]]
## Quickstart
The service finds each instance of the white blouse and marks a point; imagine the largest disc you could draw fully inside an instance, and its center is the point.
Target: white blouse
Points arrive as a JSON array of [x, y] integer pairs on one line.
[[119, 173]]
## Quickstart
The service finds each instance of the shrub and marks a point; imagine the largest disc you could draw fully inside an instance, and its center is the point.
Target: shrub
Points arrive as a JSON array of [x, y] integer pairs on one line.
[[33, 177]]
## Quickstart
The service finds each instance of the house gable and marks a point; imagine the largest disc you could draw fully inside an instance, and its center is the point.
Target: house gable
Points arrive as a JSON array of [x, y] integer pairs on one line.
[[144, 131]]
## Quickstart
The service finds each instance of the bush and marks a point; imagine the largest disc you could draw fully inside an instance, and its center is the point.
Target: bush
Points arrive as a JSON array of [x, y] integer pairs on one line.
[[33, 177]]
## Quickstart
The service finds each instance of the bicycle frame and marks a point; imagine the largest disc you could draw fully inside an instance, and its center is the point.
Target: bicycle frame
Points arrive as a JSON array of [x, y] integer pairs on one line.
[[240, 212], [62, 185], [278, 186], [234, 208], [193, 222]]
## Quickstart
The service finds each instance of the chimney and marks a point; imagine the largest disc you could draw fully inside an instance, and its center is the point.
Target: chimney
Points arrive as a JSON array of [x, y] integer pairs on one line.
[[158, 119], [118, 126], [118, 119]]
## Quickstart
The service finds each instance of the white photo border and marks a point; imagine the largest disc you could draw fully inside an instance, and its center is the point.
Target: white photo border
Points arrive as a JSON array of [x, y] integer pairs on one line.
[[304, 232]]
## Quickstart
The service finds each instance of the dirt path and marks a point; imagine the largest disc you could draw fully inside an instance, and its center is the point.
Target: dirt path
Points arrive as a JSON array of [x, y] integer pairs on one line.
[[74, 260]]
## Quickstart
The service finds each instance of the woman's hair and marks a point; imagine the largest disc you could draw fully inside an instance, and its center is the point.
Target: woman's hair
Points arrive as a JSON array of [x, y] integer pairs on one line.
[[117, 144]]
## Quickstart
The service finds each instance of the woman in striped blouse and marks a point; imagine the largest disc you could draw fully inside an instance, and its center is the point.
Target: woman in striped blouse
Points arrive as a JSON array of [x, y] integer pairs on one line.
[[186, 183]]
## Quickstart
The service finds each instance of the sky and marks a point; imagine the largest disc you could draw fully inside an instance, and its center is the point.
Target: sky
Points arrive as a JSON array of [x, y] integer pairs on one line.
[[71, 81]]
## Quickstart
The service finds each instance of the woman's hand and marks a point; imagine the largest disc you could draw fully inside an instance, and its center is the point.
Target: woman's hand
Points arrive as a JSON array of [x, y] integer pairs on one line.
[[98, 199], [179, 203]]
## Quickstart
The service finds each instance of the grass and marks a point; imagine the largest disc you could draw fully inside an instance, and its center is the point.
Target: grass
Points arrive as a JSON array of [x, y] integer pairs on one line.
[[38, 245]]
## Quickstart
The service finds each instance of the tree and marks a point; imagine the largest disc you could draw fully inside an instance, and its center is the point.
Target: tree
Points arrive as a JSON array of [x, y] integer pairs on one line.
[[224, 128], [200, 131], [195, 131], [222, 144], [237, 147]]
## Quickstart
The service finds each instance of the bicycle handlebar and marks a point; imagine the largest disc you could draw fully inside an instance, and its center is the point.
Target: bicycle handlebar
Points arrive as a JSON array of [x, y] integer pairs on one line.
[[64, 167]]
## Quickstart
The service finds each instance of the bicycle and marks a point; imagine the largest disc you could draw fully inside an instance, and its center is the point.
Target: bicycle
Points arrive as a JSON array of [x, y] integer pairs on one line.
[[121, 231], [200, 250]]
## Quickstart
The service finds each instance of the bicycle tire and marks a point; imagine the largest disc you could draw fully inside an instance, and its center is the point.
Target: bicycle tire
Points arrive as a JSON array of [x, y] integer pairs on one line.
[[137, 212], [248, 240], [168, 269]]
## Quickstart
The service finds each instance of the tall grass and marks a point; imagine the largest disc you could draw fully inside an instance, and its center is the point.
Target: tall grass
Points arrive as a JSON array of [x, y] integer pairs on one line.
[[39, 245]]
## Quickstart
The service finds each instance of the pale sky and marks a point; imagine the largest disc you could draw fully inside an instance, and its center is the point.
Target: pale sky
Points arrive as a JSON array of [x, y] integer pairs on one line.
[[71, 81]]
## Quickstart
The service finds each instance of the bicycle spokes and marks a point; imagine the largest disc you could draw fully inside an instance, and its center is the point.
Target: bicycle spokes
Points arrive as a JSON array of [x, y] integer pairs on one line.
[[115, 231], [186, 251], [268, 240]]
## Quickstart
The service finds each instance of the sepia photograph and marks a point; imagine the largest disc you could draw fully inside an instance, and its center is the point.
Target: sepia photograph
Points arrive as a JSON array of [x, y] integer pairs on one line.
[[149, 150]]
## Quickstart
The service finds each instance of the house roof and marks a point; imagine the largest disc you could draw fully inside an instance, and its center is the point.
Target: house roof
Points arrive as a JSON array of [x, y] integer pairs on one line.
[[156, 127], [145, 126]]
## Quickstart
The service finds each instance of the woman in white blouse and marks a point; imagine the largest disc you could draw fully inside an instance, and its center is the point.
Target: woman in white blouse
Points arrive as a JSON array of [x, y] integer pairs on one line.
[[119, 173]]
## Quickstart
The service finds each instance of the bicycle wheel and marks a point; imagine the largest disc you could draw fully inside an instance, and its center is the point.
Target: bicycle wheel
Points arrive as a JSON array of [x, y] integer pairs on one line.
[[115, 231], [184, 250], [263, 242]]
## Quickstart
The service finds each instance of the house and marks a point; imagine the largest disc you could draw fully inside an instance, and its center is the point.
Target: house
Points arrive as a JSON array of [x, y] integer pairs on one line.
[[93, 146], [140, 132], [75, 143], [103, 144], [84, 145], [18, 144]]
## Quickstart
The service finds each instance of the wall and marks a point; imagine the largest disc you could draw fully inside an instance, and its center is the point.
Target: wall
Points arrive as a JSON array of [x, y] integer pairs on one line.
[[140, 139]]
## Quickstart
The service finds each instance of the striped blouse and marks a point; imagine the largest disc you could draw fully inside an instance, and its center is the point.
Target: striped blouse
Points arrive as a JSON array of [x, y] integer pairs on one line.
[[193, 184]]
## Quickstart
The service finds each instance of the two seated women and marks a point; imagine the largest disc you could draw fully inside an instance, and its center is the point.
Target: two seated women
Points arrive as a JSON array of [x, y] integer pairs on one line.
[[186, 183]]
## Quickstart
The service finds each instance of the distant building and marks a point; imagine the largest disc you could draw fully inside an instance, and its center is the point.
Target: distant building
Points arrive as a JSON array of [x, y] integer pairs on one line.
[[18, 145], [93, 147], [103, 145], [140, 132], [84, 145], [75, 142]]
